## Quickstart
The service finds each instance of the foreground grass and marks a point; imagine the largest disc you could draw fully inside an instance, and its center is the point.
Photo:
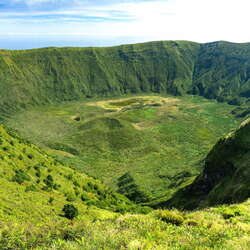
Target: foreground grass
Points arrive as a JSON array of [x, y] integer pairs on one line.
[[225, 227], [160, 140]]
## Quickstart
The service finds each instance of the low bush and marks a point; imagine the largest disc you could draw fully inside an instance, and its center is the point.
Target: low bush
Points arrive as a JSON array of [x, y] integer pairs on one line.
[[49, 181], [172, 217], [230, 212], [20, 176], [70, 197], [31, 188]]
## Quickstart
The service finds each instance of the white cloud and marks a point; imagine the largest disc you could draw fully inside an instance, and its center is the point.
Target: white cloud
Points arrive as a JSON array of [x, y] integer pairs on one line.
[[197, 20]]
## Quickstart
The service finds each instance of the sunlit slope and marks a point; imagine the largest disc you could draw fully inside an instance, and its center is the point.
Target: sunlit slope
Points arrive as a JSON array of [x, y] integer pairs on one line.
[[217, 70], [34, 187]]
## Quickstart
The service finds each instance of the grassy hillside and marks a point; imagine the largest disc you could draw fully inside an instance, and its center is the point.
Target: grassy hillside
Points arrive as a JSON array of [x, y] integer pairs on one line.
[[29, 178], [159, 140], [225, 178], [35, 188], [33, 77], [225, 227], [53, 75], [222, 72]]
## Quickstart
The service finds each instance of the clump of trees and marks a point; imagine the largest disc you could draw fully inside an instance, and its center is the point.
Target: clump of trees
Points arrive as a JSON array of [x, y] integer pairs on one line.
[[130, 189]]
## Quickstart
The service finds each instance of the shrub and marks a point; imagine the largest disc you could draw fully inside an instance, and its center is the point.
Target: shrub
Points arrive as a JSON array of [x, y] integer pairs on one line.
[[70, 197], [230, 212], [70, 211], [69, 176], [51, 199], [5, 148], [20, 157], [30, 156], [30, 188], [191, 222], [49, 181], [76, 184], [85, 197], [38, 174], [235, 101], [20, 176], [77, 192], [171, 217], [11, 156], [56, 186], [38, 166]]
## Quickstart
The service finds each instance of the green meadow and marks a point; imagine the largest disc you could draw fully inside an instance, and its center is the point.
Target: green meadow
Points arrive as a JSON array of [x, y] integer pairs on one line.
[[160, 140]]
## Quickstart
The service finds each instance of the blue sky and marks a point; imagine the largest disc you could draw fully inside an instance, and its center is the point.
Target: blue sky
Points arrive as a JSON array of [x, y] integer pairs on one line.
[[42, 23]]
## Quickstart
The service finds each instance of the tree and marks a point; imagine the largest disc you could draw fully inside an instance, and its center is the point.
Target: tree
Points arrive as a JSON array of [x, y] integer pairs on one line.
[[70, 211]]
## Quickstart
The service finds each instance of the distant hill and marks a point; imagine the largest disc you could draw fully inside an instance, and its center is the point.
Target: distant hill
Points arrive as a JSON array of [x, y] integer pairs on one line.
[[226, 174], [218, 70]]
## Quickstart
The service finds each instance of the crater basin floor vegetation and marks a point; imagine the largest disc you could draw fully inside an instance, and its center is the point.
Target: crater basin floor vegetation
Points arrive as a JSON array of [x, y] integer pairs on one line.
[[161, 140]]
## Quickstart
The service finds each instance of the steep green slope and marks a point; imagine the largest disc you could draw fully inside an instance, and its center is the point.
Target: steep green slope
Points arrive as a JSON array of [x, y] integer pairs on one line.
[[226, 174], [31, 179], [34, 77], [222, 72], [55, 75]]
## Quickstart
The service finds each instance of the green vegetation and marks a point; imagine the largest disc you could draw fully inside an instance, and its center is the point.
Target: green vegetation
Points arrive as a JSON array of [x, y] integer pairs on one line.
[[225, 178], [225, 227], [70, 211], [127, 187], [216, 70], [159, 140], [95, 112], [45, 186]]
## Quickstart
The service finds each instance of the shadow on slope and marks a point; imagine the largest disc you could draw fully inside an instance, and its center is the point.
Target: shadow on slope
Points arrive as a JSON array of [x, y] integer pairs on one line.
[[226, 174]]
